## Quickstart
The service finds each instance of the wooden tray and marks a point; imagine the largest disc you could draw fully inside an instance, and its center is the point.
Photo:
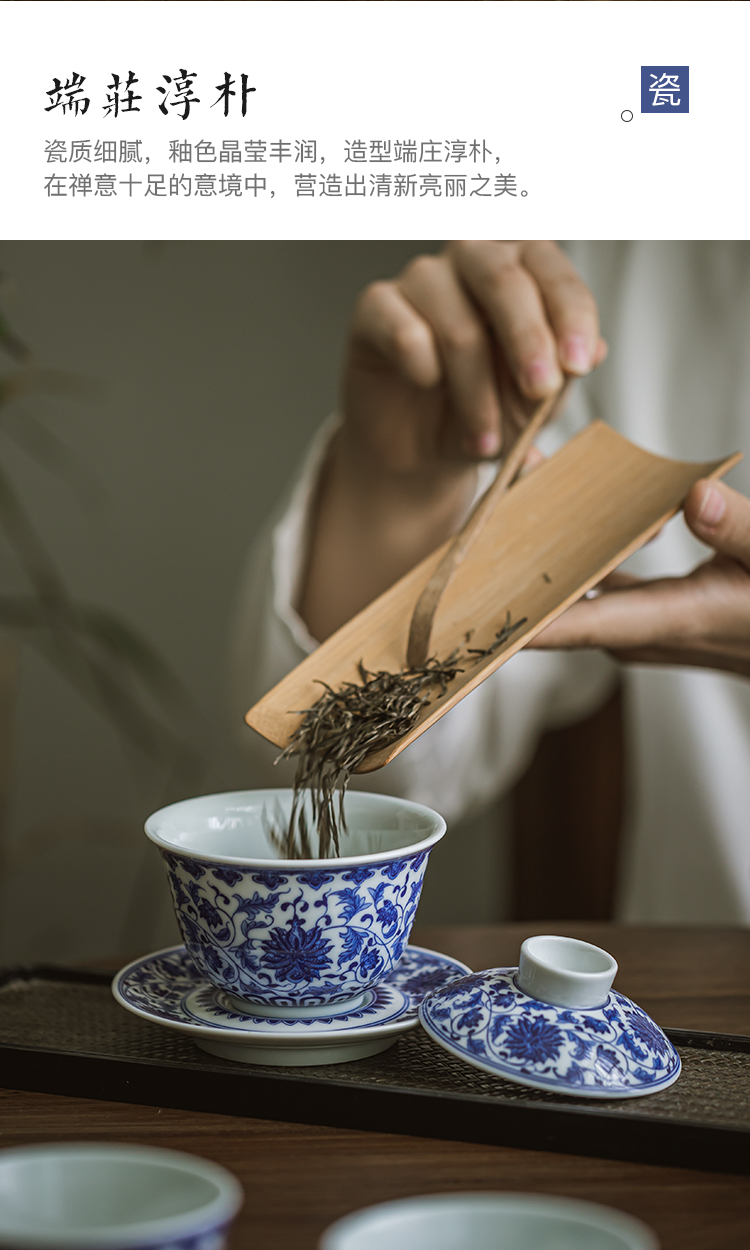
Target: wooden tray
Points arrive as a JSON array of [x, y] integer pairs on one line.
[[61, 1032], [550, 538]]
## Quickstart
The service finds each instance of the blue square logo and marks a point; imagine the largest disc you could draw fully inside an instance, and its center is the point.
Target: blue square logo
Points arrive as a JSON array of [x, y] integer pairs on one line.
[[665, 88]]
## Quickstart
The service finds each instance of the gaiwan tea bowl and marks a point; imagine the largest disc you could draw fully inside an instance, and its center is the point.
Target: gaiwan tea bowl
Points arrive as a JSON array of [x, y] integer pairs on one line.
[[294, 938]]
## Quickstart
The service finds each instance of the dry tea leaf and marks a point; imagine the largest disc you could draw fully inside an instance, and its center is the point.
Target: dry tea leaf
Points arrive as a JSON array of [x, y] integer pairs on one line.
[[344, 726]]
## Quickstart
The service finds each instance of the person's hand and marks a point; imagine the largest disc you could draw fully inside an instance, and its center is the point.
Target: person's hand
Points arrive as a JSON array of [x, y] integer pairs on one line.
[[446, 361], [702, 619], [444, 364]]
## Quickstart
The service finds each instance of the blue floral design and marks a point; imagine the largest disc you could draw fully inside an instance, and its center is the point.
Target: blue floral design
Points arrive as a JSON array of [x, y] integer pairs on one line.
[[315, 879], [171, 987], [354, 940], [581, 1048], [596, 1026], [371, 960], [270, 879], [230, 876], [351, 902], [424, 981], [296, 938], [252, 908], [192, 866], [500, 997], [612, 1051], [388, 916], [180, 895], [470, 1019], [208, 912], [213, 959], [296, 954], [648, 1033], [606, 1062], [359, 875], [533, 1039]]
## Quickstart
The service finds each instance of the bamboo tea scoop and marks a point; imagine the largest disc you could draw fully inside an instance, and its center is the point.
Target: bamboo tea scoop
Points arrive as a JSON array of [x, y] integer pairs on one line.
[[420, 629], [537, 546]]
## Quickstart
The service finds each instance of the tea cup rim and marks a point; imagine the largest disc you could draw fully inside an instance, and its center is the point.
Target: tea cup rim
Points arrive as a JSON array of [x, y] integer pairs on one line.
[[263, 863], [344, 1232], [215, 1213]]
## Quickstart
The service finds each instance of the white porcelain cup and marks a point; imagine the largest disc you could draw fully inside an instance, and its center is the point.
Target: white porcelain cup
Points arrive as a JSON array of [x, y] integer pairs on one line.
[[107, 1197], [298, 937], [489, 1222]]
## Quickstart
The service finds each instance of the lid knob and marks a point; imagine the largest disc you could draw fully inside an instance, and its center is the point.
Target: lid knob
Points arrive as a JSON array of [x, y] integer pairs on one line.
[[565, 971]]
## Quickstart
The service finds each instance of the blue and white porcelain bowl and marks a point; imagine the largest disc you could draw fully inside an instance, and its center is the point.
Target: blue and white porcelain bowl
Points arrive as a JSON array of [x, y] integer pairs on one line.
[[293, 937], [106, 1197]]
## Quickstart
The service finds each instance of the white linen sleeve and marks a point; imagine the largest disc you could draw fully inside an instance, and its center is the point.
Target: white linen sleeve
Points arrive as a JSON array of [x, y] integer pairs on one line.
[[469, 757]]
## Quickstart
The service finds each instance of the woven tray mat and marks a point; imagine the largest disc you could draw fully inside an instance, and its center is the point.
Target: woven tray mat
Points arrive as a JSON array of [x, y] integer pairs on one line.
[[63, 1017]]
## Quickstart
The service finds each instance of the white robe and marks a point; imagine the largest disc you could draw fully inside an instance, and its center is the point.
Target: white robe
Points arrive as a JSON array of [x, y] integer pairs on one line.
[[677, 317]]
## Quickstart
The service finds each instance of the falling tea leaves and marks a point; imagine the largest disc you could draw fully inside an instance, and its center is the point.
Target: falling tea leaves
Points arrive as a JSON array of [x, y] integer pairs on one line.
[[344, 726]]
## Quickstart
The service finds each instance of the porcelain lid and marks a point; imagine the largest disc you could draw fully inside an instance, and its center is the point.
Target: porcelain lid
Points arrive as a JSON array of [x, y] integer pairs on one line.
[[611, 1050]]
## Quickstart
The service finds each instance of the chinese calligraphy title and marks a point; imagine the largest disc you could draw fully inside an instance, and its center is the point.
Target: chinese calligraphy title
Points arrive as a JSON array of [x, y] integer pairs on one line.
[[177, 96]]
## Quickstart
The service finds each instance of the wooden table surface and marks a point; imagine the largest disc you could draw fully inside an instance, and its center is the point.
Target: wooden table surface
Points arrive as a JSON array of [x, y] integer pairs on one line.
[[298, 1179]]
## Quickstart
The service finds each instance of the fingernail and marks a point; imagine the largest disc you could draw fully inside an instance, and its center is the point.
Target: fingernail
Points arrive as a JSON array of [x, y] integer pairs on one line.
[[712, 509], [488, 444], [575, 353], [541, 375]]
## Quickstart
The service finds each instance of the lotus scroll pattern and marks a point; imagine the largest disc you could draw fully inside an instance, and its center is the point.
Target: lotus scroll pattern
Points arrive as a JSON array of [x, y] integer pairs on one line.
[[608, 1050], [296, 937]]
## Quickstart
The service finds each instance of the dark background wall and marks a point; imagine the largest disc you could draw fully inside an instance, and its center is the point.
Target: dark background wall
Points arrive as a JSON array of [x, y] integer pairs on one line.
[[218, 361]]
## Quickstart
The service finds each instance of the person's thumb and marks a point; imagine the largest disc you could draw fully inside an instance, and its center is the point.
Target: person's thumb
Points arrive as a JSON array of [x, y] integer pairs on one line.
[[720, 517]]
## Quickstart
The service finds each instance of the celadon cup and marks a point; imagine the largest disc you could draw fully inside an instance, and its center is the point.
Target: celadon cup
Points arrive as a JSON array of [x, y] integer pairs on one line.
[[487, 1221], [98, 1196], [294, 938]]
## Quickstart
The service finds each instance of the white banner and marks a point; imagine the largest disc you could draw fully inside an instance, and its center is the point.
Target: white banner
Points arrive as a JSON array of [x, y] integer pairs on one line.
[[373, 120]]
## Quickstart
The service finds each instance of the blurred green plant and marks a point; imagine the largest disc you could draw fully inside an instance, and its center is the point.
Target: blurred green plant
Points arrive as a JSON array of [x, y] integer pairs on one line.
[[112, 666]]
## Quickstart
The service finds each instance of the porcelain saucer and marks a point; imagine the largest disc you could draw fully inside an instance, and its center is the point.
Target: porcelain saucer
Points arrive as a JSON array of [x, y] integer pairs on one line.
[[610, 1051], [167, 988]]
